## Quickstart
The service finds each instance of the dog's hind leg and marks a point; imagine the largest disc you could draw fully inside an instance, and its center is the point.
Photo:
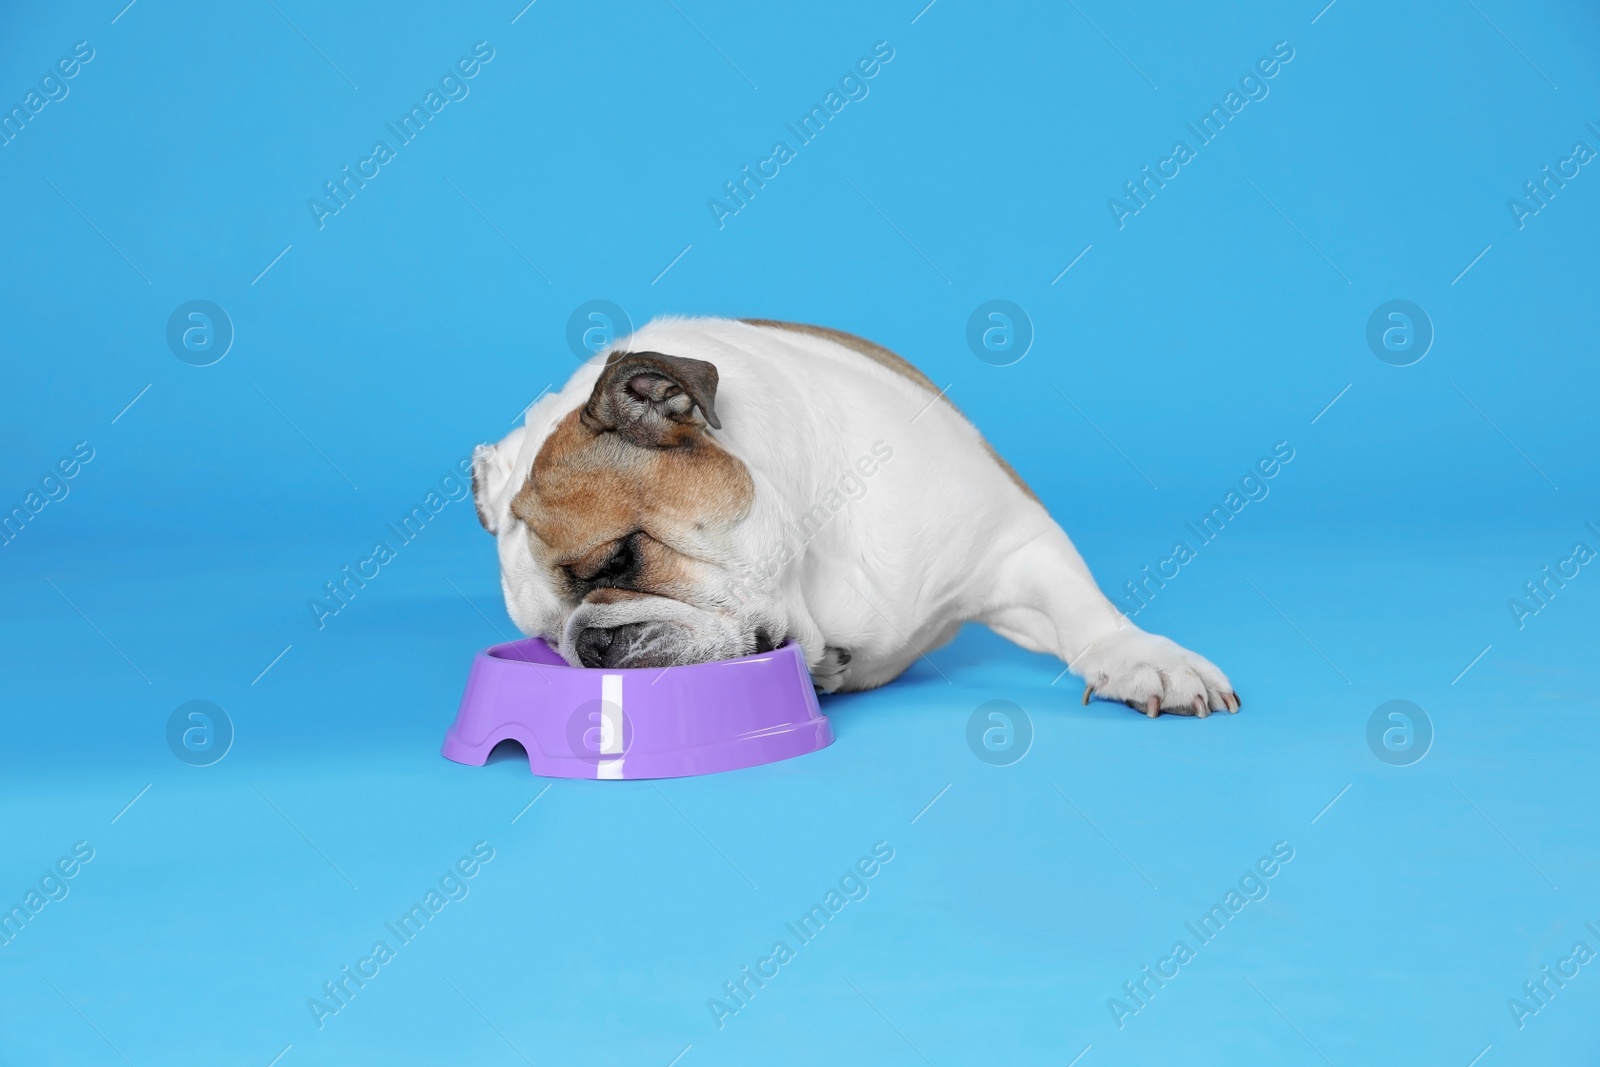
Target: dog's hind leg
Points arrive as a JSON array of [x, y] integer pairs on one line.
[[1042, 596]]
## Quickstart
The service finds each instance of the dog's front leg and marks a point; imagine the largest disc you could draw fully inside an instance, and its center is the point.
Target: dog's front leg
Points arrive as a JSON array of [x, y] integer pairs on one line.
[[1044, 598]]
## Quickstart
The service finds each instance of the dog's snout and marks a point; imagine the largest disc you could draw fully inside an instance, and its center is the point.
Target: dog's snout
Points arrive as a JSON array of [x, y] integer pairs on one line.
[[592, 646], [633, 644]]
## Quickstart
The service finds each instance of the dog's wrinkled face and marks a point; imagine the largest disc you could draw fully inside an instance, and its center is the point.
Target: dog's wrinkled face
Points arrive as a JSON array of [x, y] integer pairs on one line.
[[628, 515]]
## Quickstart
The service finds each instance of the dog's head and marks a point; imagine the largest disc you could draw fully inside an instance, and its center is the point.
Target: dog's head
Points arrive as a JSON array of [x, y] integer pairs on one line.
[[619, 542]]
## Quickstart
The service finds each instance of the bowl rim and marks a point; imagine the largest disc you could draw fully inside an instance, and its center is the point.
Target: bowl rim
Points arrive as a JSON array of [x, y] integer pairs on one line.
[[498, 653]]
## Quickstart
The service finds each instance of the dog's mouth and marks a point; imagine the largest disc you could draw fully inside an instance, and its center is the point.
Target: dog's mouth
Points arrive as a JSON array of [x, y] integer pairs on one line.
[[655, 644], [634, 644]]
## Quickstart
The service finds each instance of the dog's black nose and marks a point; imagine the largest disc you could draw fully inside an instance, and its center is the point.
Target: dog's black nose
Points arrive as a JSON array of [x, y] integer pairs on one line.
[[592, 644]]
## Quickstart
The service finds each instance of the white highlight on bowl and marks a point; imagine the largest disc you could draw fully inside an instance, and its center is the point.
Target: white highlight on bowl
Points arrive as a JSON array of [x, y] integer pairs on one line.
[[611, 740]]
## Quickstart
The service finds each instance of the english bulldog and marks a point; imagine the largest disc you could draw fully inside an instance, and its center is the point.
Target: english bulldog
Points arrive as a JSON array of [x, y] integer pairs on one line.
[[711, 488]]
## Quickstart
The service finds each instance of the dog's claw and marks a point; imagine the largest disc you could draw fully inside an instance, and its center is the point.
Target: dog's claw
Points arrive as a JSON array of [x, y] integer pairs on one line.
[[1152, 707], [1233, 703], [1200, 709], [1088, 691]]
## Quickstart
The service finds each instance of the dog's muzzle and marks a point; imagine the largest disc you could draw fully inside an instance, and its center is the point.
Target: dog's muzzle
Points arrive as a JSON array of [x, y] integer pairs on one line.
[[654, 631], [634, 644], [654, 644]]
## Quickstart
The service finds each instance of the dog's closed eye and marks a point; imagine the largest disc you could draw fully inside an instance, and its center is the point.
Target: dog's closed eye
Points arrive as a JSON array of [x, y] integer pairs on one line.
[[606, 565]]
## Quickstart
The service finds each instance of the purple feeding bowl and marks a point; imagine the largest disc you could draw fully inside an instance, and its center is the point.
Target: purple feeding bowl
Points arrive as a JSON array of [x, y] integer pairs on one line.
[[637, 722]]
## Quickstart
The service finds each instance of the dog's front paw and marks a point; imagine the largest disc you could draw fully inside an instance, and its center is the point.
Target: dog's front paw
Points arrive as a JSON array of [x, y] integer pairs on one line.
[[1152, 674], [828, 673]]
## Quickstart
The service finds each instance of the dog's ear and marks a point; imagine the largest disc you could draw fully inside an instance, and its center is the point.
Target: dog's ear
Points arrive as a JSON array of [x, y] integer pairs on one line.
[[652, 399], [492, 481]]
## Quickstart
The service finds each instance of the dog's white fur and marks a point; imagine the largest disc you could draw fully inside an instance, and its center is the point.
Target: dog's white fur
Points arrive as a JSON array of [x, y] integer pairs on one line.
[[941, 535]]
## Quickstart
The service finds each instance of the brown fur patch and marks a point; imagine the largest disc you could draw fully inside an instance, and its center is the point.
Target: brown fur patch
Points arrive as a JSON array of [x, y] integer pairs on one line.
[[588, 489], [897, 363]]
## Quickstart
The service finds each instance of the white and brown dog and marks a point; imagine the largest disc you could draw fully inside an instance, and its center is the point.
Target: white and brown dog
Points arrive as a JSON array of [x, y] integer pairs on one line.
[[715, 487]]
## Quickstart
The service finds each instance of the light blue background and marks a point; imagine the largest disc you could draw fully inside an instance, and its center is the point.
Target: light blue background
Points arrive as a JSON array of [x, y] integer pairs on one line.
[[1223, 318]]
